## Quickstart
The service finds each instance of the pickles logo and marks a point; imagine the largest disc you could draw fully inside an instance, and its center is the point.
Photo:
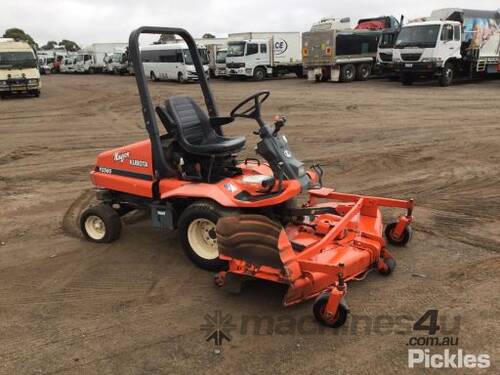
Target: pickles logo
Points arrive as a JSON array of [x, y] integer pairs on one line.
[[280, 46]]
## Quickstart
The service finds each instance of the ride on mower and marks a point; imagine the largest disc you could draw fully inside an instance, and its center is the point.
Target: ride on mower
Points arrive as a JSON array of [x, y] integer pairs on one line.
[[241, 218]]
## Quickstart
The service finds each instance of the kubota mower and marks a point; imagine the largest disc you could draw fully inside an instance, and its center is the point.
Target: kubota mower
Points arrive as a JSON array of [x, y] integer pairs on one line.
[[189, 178]]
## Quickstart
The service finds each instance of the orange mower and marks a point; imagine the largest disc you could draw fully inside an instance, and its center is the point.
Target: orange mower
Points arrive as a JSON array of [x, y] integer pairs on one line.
[[240, 217]]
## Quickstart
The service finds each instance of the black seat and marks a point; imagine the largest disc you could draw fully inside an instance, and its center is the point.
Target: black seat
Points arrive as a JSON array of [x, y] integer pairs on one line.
[[193, 130]]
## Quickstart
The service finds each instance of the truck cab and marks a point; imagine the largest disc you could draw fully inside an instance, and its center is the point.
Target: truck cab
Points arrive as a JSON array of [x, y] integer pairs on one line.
[[19, 72], [220, 63], [84, 63], [250, 58], [384, 64], [429, 48]]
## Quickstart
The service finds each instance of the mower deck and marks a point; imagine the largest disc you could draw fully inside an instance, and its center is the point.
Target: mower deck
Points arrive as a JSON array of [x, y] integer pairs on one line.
[[316, 255]]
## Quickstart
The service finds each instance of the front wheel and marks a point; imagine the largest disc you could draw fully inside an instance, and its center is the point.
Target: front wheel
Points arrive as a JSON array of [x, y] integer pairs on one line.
[[100, 224], [153, 76], [446, 77], [198, 236], [259, 74]]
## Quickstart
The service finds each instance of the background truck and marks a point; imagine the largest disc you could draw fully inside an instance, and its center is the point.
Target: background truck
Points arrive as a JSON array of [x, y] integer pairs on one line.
[[333, 52], [18, 69], [384, 66], [263, 54], [452, 42], [220, 63], [91, 59], [213, 46]]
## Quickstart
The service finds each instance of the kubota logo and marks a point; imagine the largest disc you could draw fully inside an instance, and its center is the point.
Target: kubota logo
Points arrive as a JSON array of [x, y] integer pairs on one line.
[[120, 156]]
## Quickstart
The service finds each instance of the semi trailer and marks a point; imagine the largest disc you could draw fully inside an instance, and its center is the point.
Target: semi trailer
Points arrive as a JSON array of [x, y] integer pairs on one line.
[[334, 52], [451, 43], [263, 54]]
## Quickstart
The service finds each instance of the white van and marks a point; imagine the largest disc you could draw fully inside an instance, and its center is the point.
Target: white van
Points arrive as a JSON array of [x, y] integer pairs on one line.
[[172, 61], [18, 69]]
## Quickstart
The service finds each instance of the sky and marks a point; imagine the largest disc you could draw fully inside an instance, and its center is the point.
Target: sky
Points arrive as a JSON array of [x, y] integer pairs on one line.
[[100, 21]]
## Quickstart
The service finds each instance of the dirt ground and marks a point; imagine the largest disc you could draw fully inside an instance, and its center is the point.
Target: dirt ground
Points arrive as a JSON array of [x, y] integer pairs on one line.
[[137, 305]]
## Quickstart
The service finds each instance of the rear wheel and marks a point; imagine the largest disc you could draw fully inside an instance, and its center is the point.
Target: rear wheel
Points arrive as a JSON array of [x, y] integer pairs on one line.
[[259, 74], [91, 70], [198, 236], [100, 224], [363, 72], [152, 76], [347, 73]]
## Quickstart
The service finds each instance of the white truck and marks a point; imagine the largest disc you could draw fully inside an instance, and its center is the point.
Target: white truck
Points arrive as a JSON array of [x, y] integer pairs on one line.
[[263, 54], [213, 46], [220, 63], [18, 69], [91, 59], [451, 42]]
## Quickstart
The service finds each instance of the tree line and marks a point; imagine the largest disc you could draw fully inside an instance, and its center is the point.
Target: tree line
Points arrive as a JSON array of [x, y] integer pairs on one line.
[[19, 35]]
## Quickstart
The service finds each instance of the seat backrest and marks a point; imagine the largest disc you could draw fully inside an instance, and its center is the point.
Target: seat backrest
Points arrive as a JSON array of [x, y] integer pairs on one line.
[[191, 122]]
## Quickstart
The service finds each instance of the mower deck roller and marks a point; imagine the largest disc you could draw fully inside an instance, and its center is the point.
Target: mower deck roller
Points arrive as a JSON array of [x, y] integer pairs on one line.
[[315, 255]]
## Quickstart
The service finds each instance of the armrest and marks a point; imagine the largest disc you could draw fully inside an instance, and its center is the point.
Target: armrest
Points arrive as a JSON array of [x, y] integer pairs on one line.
[[219, 121]]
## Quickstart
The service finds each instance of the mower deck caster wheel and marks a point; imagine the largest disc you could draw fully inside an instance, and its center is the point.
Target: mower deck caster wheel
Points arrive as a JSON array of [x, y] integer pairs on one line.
[[219, 279], [401, 241], [390, 265], [334, 321], [100, 224]]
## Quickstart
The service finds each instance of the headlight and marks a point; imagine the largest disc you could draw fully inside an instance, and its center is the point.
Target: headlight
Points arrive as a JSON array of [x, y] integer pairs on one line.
[[32, 81]]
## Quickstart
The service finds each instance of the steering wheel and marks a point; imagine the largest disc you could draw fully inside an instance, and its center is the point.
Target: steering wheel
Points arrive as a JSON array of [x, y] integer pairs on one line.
[[252, 112]]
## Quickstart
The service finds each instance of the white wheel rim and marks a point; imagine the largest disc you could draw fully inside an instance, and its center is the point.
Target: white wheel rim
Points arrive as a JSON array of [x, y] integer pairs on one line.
[[95, 227], [202, 238]]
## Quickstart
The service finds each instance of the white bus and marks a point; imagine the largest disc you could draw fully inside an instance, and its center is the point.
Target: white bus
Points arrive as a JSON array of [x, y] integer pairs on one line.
[[172, 61]]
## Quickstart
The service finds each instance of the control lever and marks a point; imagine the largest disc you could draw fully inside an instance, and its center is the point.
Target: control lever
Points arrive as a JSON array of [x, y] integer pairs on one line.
[[279, 122]]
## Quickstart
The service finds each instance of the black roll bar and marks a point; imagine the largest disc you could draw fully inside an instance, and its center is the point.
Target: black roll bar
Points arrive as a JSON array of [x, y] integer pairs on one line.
[[159, 163]]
